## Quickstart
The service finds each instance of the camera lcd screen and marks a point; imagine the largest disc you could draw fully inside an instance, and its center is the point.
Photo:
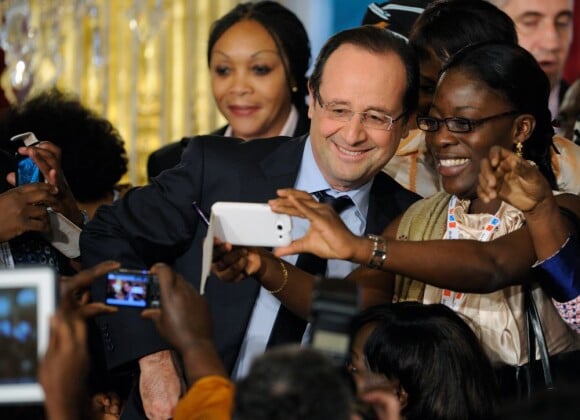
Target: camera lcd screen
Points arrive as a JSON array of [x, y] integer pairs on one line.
[[128, 288], [27, 300]]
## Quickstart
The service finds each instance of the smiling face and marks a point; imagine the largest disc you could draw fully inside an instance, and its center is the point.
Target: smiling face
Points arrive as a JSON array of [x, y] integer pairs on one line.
[[249, 82], [545, 30], [348, 153], [458, 155]]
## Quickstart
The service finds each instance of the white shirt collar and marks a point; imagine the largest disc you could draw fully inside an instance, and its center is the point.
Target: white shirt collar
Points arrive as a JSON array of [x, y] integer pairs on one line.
[[288, 129]]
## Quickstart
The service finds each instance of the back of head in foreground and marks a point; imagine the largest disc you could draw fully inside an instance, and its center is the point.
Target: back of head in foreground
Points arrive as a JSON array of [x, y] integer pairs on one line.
[[436, 359], [292, 383]]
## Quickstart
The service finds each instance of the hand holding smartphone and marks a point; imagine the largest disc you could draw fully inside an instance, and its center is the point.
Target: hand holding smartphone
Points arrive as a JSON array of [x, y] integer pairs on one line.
[[26, 170], [244, 224], [250, 224]]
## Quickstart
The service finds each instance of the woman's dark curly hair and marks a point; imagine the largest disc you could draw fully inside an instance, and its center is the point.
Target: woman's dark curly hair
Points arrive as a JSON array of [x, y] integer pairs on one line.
[[93, 155]]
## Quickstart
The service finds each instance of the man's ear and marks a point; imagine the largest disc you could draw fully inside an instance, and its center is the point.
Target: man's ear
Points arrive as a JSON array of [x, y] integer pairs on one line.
[[523, 127]]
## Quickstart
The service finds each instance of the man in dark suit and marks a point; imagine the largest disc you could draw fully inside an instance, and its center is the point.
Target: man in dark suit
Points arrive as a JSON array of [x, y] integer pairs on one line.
[[362, 90], [545, 29]]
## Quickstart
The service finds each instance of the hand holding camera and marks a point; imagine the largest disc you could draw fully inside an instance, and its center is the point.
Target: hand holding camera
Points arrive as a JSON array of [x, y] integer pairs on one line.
[[184, 320], [183, 317]]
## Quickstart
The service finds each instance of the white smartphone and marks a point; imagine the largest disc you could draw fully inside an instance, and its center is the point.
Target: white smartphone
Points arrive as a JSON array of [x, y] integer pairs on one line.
[[250, 224], [247, 224]]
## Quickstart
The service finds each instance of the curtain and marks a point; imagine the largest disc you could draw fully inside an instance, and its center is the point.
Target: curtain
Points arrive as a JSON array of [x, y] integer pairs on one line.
[[140, 63]]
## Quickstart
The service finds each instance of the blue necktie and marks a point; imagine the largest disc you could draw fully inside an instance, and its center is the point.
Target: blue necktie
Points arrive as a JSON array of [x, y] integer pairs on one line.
[[289, 328]]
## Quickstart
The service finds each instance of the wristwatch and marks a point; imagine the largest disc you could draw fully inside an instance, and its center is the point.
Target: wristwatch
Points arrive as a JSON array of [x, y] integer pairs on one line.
[[379, 255]]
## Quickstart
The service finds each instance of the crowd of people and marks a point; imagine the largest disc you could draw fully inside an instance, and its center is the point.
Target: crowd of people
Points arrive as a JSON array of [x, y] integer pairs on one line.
[[419, 161]]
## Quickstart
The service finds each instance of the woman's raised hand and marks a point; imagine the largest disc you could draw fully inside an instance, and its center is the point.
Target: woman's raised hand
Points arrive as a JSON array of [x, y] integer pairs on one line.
[[506, 176]]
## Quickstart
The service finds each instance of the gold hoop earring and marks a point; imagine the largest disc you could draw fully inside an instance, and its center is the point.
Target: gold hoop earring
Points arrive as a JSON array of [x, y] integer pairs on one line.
[[520, 149]]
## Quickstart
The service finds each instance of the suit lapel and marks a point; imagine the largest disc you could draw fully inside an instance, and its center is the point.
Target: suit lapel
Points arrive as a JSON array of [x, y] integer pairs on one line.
[[280, 168]]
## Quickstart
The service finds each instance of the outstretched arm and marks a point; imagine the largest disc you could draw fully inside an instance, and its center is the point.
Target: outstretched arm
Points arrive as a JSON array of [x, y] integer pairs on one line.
[[184, 320], [64, 366], [462, 265]]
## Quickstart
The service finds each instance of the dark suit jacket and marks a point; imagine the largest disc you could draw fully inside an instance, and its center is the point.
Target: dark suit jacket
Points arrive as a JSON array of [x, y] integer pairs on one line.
[[157, 223], [169, 155]]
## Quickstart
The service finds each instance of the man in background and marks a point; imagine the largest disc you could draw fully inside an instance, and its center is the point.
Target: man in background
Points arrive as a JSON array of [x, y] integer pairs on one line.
[[545, 29]]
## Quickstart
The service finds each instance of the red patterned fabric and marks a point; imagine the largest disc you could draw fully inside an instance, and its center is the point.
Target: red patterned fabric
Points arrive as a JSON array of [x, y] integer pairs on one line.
[[570, 312]]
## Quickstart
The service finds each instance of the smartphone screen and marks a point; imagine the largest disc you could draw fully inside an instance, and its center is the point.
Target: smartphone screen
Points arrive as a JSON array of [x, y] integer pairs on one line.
[[128, 288], [27, 172]]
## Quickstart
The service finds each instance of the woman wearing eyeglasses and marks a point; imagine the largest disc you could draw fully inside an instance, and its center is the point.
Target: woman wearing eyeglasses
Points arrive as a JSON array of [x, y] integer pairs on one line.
[[440, 31], [472, 254]]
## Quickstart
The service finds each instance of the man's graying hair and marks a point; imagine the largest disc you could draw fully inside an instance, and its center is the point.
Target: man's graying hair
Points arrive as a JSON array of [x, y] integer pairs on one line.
[[379, 41]]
